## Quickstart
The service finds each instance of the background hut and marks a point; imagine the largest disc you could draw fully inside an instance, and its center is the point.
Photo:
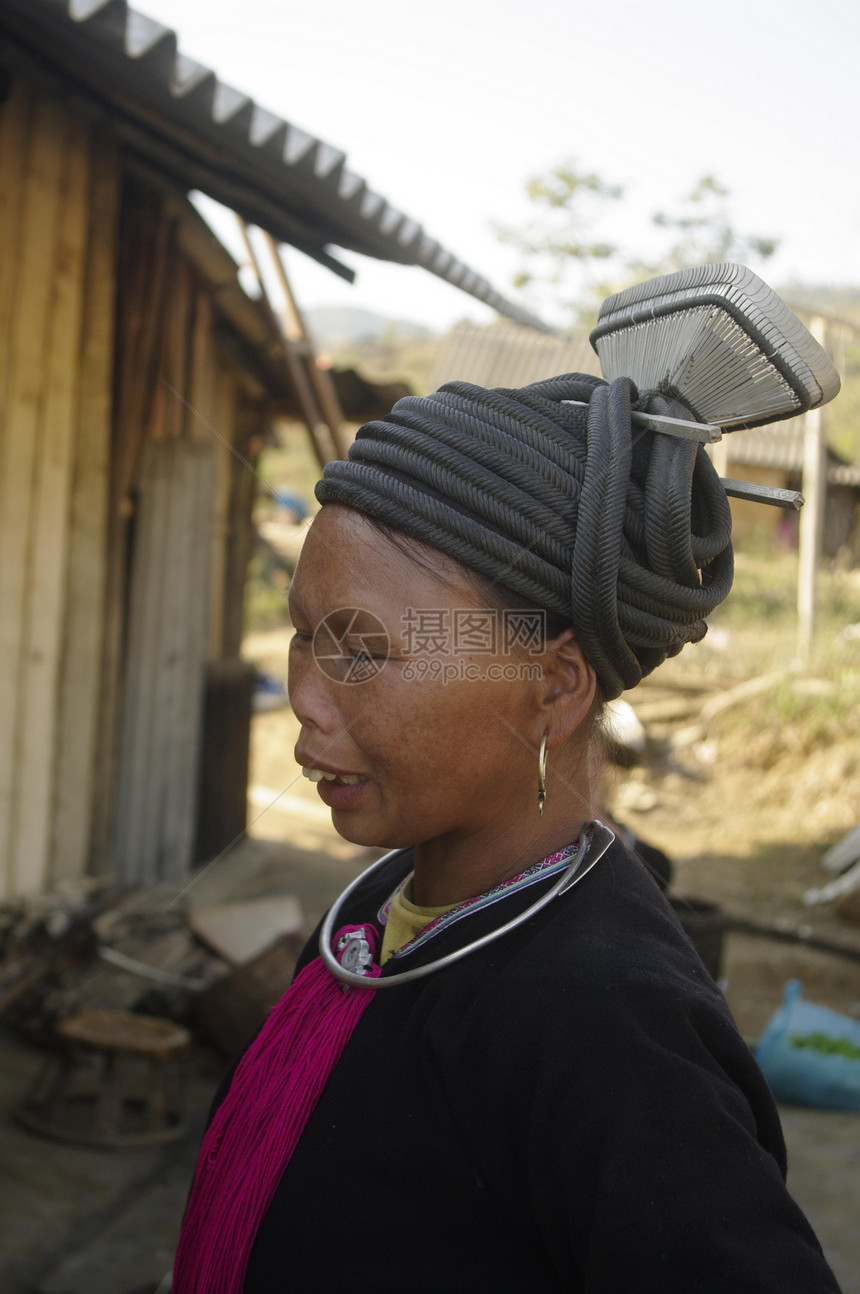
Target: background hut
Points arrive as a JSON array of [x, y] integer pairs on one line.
[[137, 382]]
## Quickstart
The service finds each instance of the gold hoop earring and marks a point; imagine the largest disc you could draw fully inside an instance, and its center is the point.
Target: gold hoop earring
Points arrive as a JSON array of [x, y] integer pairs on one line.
[[542, 774]]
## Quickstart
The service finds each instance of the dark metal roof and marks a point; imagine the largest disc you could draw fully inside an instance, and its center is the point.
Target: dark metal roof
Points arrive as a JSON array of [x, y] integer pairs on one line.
[[212, 137]]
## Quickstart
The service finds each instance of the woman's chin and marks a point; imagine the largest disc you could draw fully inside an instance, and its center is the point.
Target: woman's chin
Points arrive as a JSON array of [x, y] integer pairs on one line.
[[371, 834]]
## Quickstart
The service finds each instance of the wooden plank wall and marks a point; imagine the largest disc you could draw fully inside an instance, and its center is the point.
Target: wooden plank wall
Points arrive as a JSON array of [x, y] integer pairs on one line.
[[124, 511], [58, 205]]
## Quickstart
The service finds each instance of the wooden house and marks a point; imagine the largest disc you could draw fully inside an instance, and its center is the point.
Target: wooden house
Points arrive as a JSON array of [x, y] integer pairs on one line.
[[137, 381], [774, 456]]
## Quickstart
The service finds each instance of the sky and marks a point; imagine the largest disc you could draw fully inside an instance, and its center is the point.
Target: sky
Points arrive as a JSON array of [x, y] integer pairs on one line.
[[449, 107]]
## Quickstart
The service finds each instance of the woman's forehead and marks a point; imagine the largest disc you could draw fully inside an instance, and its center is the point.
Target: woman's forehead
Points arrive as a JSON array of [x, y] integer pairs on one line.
[[347, 560]]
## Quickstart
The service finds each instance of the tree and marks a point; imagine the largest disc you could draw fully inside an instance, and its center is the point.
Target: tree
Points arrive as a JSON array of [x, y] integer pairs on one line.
[[558, 248], [705, 233], [561, 250]]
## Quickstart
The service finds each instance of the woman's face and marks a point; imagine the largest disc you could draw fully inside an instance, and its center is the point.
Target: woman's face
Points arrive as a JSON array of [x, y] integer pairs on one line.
[[409, 691]]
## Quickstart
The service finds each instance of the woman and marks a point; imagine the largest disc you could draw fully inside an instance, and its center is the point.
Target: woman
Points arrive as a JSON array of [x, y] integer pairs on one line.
[[507, 1069]]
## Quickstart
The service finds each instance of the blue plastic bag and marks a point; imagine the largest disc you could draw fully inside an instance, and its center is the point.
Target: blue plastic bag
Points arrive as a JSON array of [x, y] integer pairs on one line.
[[810, 1055]]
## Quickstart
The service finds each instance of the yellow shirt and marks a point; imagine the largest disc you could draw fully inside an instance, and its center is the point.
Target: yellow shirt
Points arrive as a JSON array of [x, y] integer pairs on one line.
[[406, 920]]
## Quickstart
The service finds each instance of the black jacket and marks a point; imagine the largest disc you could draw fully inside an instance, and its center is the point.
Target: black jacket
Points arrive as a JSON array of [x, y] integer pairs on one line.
[[568, 1109]]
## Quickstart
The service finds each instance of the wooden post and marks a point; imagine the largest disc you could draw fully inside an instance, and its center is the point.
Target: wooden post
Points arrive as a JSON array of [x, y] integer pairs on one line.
[[812, 514]]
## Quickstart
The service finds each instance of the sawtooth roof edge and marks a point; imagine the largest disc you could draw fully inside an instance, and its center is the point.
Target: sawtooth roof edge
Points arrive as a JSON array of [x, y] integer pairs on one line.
[[272, 171]]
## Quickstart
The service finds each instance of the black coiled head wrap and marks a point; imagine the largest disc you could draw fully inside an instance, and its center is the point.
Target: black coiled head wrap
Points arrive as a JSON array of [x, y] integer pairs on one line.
[[624, 533]]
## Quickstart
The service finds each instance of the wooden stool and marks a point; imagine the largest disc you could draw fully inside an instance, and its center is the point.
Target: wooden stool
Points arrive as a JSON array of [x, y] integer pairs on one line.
[[117, 1080]]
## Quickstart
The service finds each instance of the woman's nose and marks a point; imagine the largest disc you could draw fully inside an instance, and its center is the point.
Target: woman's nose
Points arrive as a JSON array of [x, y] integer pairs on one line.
[[309, 690]]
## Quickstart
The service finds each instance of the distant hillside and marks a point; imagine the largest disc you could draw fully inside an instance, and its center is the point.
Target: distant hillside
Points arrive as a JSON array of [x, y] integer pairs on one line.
[[338, 326]]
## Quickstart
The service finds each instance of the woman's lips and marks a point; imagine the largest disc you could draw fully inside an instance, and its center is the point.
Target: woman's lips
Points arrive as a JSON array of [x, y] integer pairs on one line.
[[342, 795], [337, 790]]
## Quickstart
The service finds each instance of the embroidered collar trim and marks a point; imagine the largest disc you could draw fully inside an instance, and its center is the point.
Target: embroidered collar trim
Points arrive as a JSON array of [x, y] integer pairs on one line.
[[537, 872]]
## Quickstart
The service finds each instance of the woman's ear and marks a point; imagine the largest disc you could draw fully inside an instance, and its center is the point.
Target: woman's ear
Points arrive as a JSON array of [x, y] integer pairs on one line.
[[569, 687]]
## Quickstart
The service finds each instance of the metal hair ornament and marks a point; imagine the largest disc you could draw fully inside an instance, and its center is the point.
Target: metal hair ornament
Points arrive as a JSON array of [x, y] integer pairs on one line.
[[542, 775], [720, 340]]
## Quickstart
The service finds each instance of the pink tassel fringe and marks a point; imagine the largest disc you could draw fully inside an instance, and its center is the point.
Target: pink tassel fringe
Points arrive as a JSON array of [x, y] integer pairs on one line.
[[258, 1125]]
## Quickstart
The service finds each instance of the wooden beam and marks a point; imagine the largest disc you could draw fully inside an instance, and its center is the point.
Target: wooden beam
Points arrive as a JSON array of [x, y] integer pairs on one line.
[[299, 380], [299, 333]]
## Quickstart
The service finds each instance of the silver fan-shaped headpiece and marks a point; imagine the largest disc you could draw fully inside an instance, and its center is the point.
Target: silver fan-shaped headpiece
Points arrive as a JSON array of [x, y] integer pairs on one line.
[[718, 339]]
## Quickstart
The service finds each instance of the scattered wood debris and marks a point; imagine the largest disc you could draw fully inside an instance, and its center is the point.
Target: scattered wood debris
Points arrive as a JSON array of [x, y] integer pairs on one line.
[[841, 888], [843, 861], [844, 853], [126, 950], [239, 932]]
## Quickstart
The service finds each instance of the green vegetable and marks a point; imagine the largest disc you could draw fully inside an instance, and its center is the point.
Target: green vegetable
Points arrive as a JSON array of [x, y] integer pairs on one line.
[[824, 1043]]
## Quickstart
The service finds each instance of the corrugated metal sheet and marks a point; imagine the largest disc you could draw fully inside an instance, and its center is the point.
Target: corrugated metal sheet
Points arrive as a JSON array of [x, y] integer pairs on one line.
[[213, 137], [506, 355], [780, 446]]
